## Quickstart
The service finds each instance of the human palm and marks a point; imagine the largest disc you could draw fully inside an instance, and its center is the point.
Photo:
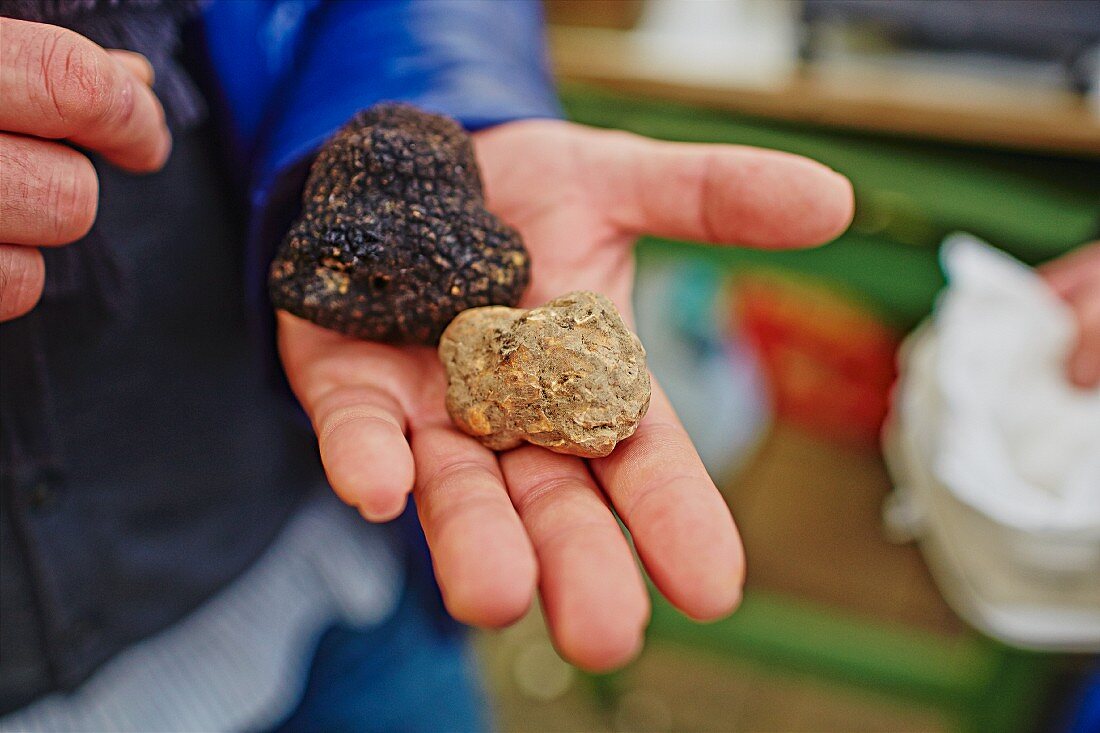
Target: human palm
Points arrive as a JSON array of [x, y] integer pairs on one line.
[[500, 525]]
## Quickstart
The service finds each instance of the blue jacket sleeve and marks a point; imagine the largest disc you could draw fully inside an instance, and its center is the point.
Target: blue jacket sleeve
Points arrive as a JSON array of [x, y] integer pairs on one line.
[[291, 72]]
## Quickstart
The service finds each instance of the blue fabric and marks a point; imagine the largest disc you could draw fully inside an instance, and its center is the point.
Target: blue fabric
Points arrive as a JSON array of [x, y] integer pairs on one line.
[[288, 74], [404, 676], [178, 465], [1084, 716]]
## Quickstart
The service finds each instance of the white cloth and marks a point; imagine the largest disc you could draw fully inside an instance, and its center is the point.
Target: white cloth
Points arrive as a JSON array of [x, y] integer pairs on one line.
[[1017, 441], [240, 661]]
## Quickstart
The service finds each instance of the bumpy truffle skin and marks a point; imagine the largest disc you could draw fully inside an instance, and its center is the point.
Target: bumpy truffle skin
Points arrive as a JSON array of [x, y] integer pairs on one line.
[[394, 240], [568, 376]]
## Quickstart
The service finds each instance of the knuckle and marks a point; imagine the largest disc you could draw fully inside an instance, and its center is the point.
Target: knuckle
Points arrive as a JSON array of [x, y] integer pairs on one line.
[[545, 491], [445, 515], [15, 187], [77, 78], [656, 495], [340, 406], [460, 475], [455, 491], [592, 529], [71, 195], [17, 169], [48, 194], [354, 415]]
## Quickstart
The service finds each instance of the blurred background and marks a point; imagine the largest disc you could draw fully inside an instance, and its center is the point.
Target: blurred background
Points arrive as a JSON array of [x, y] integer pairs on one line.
[[865, 610]]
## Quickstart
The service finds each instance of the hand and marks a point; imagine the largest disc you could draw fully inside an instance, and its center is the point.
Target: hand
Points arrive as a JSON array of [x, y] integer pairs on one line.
[[58, 86], [1076, 277], [497, 525]]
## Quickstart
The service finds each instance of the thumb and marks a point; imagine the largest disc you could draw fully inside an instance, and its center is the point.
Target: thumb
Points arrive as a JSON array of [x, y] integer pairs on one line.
[[134, 63]]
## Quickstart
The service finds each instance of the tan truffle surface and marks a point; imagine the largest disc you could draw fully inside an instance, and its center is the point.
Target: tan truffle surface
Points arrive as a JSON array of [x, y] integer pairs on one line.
[[569, 376]]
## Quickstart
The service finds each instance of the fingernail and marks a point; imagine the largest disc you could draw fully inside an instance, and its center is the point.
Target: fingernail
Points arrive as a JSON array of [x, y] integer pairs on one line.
[[382, 511]]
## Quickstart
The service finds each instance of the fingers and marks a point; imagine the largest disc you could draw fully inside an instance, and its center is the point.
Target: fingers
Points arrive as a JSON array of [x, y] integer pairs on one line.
[[1076, 277], [361, 436], [345, 388], [1075, 270], [593, 596], [681, 526], [49, 193], [482, 557], [135, 63], [1084, 361], [58, 84], [22, 275], [724, 194]]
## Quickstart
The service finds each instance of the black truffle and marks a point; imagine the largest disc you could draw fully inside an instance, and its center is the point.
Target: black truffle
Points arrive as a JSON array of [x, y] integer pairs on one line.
[[394, 239]]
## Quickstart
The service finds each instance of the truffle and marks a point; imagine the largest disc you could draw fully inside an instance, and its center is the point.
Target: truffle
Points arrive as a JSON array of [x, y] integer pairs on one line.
[[394, 240], [568, 376]]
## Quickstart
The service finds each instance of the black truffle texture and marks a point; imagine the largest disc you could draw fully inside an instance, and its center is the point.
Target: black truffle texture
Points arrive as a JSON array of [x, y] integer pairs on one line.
[[394, 240]]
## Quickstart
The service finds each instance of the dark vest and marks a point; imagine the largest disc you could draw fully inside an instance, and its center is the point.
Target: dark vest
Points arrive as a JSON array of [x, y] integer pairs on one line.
[[174, 461]]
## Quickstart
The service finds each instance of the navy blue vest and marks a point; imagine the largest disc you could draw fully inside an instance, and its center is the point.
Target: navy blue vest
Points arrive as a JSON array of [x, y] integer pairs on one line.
[[174, 461]]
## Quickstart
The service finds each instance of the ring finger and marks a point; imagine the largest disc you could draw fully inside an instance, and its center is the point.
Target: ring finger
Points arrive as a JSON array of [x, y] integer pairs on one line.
[[481, 555]]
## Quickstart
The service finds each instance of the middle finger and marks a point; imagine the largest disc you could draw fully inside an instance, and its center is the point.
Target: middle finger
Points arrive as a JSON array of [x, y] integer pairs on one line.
[[592, 592], [49, 192]]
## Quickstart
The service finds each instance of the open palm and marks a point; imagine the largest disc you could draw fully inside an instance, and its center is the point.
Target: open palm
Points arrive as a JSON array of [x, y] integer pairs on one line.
[[498, 525]]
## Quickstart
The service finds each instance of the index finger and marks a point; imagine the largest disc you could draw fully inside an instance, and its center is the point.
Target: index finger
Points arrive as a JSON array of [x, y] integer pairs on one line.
[[57, 84], [722, 194]]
